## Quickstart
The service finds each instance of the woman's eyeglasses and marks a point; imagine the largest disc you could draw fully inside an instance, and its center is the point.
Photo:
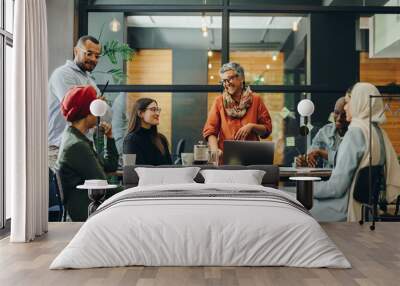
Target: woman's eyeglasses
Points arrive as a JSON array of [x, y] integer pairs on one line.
[[229, 79], [154, 109]]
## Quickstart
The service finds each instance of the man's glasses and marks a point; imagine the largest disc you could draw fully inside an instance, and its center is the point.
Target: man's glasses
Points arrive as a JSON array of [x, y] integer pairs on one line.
[[154, 109], [229, 79], [90, 53]]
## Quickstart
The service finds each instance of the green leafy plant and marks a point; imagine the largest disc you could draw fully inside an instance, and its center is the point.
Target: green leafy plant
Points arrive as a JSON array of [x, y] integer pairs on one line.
[[114, 50]]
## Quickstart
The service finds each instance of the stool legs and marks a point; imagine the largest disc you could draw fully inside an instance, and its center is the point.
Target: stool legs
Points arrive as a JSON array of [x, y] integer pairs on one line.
[[96, 196]]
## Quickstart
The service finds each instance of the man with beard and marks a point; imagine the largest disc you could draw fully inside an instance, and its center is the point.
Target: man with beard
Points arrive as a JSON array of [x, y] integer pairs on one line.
[[77, 72], [326, 142], [237, 114]]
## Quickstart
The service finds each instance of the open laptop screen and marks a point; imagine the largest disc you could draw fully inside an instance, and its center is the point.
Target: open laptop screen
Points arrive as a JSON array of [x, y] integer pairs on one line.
[[248, 152]]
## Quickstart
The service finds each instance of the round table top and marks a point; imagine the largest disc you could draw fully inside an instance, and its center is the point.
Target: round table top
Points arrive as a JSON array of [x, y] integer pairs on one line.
[[305, 178]]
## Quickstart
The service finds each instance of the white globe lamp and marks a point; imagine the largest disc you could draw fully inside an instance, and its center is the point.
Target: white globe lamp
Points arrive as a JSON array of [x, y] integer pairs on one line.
[[98, 108], [305, 107]]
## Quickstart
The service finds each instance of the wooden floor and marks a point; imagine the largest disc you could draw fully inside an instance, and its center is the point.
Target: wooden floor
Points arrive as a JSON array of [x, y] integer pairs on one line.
[[375, 257]]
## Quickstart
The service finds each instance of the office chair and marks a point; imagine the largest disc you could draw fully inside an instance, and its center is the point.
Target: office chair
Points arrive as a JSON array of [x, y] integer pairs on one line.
[[369, 206], [61, 194], [56, 207]]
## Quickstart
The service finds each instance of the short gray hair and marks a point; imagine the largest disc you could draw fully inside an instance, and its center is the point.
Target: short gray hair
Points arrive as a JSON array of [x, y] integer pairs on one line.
[[231, 66]]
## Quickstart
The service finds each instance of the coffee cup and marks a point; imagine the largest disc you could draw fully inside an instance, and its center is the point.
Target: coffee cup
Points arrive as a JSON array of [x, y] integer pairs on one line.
[[128, 159]]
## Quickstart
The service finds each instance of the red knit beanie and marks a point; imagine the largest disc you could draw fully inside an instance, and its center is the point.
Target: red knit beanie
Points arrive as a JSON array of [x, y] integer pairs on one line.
[[76, 102]]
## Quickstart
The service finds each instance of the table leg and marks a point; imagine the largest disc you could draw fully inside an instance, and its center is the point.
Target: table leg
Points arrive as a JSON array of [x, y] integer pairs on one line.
[[304, 193]]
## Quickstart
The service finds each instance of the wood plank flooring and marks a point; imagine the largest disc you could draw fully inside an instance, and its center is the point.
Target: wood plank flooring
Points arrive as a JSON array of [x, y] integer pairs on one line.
[[375, 257]]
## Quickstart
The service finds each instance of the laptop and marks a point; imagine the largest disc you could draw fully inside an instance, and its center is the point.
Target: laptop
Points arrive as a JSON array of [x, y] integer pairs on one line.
[[248, 152]]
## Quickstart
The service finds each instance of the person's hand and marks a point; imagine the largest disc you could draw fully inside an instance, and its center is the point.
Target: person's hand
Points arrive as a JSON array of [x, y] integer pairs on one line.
[[244, 131], [219, 152], [107, 129], [323, 154], [301, 161], [312, 158]]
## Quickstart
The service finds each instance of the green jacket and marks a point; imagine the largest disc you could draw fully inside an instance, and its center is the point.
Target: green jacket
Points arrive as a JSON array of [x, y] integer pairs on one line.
[[78, 161]]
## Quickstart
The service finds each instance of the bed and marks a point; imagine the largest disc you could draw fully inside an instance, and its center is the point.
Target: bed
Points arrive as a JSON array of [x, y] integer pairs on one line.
[[197, 224]]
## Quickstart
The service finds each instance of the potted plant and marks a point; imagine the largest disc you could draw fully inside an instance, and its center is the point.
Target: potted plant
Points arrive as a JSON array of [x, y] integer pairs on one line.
[[113, 50]]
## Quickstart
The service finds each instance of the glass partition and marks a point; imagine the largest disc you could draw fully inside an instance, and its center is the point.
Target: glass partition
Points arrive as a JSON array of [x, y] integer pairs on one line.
[[168, 48], [271, 48], [8, 70]]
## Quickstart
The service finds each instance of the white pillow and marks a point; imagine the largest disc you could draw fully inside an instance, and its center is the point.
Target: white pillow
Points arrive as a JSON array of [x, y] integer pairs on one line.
[[166, 176], [248, 177]]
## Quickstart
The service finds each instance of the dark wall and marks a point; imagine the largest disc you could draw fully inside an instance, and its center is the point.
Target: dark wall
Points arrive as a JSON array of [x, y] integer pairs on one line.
[[189, 110], [332, 58]]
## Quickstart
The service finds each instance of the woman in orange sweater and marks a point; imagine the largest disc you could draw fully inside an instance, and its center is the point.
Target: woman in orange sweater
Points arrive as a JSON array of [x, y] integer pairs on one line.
[[236, 114]]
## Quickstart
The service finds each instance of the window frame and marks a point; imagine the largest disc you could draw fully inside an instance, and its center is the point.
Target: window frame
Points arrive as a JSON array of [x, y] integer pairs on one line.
[[6, 39]]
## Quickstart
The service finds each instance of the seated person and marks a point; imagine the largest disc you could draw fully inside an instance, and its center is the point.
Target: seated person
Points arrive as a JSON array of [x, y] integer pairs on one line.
[[236, 114], [77, 160], [326, 142], [143, 139], [333, 199]]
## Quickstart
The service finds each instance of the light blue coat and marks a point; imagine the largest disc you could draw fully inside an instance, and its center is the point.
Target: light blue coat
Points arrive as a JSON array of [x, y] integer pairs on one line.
[[327, 139], [331, 197]]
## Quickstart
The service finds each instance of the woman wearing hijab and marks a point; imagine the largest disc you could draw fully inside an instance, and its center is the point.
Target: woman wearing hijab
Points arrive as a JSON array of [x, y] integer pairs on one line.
[[334, 198], [143, 138], [77, 160], [237, 114]]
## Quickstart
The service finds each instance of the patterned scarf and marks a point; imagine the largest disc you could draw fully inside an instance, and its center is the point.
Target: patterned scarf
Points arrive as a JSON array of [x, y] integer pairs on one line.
[[237, 110]]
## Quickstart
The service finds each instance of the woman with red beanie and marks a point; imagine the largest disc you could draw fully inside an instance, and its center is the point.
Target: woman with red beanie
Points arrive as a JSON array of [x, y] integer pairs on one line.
[[77, 160]]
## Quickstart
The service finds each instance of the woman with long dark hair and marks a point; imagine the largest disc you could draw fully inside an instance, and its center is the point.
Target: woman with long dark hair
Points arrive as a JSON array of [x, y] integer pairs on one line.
[[143, 139]]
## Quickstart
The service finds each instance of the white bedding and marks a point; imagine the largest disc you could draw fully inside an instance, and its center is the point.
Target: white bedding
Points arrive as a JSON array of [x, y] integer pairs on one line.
[[200, 231]]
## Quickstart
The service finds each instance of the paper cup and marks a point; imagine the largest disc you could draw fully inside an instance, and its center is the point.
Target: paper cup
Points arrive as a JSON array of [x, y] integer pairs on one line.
[[187, 159]]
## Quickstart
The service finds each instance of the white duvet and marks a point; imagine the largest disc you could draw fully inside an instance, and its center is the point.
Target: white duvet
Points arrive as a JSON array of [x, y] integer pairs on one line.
[[200, 231]]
